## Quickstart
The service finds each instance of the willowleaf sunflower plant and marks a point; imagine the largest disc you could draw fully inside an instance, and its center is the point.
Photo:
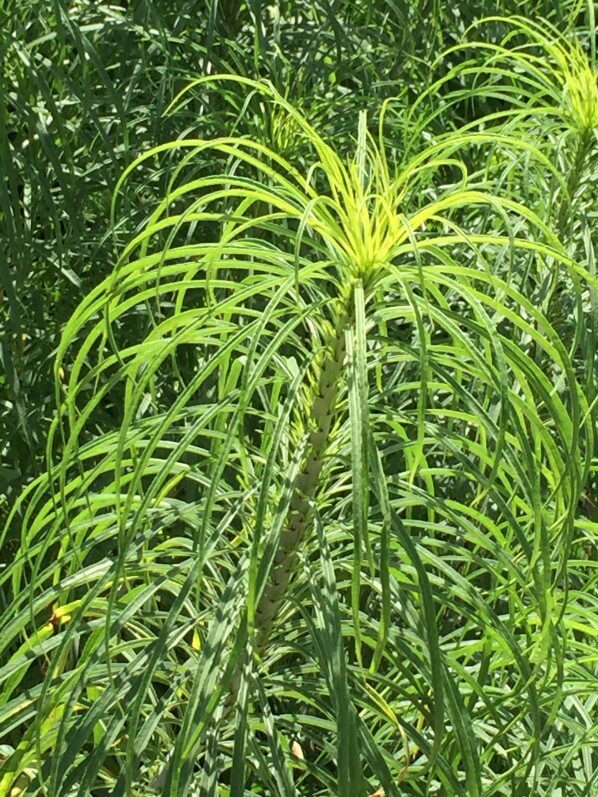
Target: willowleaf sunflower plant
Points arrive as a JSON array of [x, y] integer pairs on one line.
[[309, 533], [548, 87], [546, 80]]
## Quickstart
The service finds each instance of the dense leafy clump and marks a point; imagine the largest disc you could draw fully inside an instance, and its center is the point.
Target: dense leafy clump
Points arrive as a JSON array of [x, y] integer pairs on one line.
[[317, 512]]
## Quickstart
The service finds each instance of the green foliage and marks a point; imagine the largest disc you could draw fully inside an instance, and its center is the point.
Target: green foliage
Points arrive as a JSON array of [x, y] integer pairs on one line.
[[317, 514]]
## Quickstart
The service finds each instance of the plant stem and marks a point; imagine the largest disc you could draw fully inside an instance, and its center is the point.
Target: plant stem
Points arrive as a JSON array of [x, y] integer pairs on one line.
[[584, 142], [564, 222], [319, 421]]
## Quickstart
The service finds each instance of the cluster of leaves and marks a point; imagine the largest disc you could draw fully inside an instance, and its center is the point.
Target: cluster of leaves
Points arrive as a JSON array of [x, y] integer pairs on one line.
[[317, 512]]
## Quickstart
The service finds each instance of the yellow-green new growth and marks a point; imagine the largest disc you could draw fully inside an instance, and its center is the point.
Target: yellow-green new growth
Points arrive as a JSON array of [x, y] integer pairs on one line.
[[540, 73], [567, 67], [580, 90]]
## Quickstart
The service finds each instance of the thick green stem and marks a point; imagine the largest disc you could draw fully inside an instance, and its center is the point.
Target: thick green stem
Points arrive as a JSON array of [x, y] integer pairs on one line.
[[583, 147], [321, 415], [551, 291]]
